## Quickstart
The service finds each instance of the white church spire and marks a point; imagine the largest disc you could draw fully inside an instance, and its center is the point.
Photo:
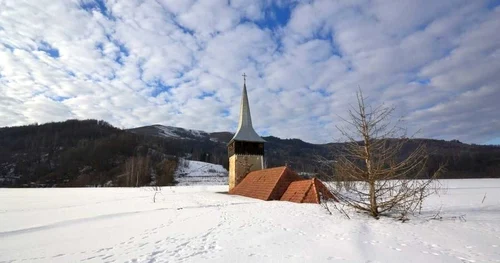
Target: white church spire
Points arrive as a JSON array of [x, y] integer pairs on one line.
[[245, 130]]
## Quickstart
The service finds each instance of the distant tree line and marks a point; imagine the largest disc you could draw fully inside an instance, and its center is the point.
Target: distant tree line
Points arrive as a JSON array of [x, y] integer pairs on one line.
[[82, 153], [94, 153]]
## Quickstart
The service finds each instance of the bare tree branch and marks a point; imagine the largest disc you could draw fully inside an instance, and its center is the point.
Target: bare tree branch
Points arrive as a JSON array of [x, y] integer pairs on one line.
[[372, 173]]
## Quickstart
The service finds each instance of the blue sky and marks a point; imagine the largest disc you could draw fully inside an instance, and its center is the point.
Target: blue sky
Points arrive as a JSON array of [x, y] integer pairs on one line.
[[179, 62]]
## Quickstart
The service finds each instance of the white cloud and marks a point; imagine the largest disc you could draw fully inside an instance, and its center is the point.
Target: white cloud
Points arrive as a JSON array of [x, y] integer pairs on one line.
[[209, 17], [180, 63]]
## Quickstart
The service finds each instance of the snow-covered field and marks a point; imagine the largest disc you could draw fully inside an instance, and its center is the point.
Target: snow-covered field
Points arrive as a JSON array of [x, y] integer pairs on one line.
[[200, 173], [201, 224]]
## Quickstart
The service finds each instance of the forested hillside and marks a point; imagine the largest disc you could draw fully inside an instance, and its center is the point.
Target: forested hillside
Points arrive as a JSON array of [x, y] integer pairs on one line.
[[462, 160], [81, 153], [94, 153]]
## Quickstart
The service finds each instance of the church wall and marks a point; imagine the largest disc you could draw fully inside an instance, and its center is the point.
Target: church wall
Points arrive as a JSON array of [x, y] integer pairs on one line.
[[241, 165]]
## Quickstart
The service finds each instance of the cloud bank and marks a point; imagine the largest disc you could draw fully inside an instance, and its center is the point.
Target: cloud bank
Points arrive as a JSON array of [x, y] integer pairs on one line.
[[180, 63]]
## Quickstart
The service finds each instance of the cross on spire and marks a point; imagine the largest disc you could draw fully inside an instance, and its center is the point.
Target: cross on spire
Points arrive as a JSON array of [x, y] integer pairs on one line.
[[245, 130]]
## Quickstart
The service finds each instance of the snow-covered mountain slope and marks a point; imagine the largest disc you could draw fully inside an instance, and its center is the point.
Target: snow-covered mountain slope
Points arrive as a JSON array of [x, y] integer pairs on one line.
[[171, 132], [200, 173], [175, 132], [201, 224]]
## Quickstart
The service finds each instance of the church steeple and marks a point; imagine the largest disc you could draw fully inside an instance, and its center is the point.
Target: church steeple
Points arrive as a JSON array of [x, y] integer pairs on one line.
[[245, 130], [246, 148]]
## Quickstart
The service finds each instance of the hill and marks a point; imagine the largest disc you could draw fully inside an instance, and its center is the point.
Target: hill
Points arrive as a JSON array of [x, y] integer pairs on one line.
[[81, 153], [463, 160], [92, 152], [200, 173]]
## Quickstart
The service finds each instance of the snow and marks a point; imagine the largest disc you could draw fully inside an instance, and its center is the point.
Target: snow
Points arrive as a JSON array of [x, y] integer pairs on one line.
[[176, 132], [204, 224], [200, 173], [167, 132]]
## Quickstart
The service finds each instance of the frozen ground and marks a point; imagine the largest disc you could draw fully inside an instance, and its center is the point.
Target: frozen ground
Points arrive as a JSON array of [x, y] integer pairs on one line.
[[199, 224], [200, 173]]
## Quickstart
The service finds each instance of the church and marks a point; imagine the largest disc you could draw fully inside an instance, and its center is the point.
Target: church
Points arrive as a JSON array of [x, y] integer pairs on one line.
[[248, 176]]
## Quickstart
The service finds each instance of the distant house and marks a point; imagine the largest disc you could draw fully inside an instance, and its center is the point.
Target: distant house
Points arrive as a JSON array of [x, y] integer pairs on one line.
[[247, 176]]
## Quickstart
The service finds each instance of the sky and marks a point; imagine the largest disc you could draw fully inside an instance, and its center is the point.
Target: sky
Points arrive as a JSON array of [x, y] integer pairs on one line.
[[180, 63]]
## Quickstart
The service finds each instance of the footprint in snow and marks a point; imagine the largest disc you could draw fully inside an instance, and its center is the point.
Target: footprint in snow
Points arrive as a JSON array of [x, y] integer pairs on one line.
[[104, 249], [373, 242], [395, 248], [157, 252], [466, 259]]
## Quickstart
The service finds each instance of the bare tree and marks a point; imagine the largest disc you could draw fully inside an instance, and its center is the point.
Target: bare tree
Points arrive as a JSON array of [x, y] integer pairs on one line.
[[372, 172], [137, 169], [165, 171], [157, 190], [129, 170]]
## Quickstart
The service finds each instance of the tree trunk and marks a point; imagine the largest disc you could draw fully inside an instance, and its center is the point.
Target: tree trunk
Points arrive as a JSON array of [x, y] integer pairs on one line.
[[137, 173], [373, 200], [132, 173]]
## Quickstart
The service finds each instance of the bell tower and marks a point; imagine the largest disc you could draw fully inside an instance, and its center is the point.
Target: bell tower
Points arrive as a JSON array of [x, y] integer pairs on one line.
[[246, 148]]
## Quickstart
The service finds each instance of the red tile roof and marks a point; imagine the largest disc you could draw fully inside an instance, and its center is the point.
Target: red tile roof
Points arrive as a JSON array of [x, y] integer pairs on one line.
[[282, 183], [323, 191], [266, 184], [297, 191], [307, 191]]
